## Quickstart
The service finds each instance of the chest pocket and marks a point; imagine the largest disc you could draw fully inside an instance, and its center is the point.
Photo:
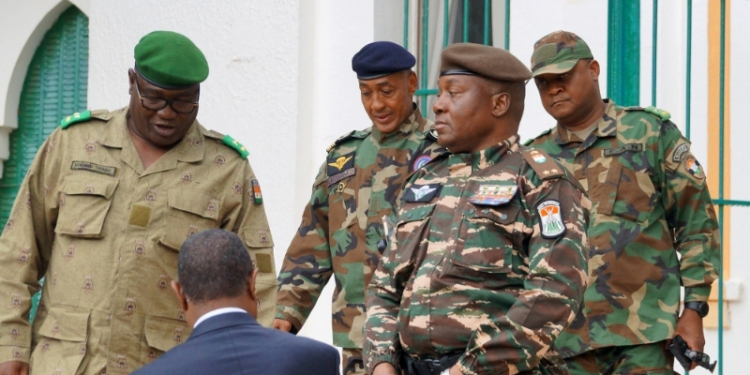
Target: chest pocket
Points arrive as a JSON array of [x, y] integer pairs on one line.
[[488, 238], [189, 211], [84, 206], [410, 234], [162, 334], [625, 193]]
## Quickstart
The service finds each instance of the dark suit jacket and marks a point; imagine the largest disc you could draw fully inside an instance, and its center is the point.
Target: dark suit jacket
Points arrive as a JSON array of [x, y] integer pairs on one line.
[[234, 343]]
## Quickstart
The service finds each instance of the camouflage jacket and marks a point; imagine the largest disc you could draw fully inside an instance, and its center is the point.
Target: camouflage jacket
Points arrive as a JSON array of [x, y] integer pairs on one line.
[[342, 224], [486, 258], [650, 201]]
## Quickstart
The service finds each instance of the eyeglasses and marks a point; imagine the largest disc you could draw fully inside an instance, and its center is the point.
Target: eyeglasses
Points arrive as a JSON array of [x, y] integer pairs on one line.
[[157, 104]]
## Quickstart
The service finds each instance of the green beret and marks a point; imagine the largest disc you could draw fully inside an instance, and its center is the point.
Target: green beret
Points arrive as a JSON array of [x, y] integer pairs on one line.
[[488, 62], [170, 60]]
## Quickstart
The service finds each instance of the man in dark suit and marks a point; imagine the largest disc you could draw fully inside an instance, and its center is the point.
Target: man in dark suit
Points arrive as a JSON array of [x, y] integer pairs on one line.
[[216, 289]]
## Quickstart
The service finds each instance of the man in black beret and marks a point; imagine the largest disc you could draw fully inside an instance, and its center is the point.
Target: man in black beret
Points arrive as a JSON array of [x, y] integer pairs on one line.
[[342, 231], [486, 264], [102, 213]]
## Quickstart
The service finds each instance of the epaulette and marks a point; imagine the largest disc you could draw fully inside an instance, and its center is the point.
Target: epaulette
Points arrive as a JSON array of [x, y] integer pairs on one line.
[[542, 134], [544, 166], [85, 116], [359, 134], [233, 144], [658, 112]]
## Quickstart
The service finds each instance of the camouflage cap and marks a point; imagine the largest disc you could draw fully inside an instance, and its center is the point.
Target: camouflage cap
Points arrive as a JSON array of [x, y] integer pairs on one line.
[[558, 52]]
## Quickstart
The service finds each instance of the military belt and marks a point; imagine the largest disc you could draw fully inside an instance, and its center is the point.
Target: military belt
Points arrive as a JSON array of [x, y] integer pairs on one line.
[[413, 366]]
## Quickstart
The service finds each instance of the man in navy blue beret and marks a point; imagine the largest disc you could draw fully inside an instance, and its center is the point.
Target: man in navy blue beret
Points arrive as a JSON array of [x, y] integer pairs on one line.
[[343, 227]]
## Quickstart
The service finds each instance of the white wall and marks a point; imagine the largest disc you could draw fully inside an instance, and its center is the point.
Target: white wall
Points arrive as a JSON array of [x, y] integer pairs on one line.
[[24, 24]]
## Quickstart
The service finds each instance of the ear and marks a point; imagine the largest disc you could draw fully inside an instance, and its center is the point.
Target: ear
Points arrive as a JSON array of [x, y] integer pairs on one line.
[[177, 288], [131, 81], [412, 83], [594, 70], [251, 285], [500, 104]]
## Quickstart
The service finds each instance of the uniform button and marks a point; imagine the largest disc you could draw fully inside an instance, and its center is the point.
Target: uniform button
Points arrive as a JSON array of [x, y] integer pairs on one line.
[[503, 216]]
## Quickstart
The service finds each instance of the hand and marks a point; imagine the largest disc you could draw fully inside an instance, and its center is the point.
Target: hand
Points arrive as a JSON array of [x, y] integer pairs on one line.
[[14, 368], [384, 368], [455, 370], [690, 328], [282, 325]]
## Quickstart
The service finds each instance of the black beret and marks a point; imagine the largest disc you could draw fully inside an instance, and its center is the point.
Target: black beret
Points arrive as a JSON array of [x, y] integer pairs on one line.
[[488, 62], [379, 59]]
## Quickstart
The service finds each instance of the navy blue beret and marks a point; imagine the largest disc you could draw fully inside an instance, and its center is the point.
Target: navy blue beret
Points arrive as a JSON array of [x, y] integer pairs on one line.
[[379, 59]]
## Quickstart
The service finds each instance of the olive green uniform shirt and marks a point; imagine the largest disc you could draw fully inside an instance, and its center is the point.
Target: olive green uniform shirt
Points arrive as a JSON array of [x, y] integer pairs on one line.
[[106, 234]]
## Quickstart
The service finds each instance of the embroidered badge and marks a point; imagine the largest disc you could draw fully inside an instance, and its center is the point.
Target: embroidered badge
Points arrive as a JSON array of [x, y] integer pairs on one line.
[[91, 167], [694, 168], [15, 301], [130, 306], [340, 168], [88, 284], [421, 193], [420, 162], [178, 335], [629, 147], [163, 282], [550, 219], [24, 256], [494, 195], [679, 152], [237, 188], [220, 160], [13, 333], [257, 195]]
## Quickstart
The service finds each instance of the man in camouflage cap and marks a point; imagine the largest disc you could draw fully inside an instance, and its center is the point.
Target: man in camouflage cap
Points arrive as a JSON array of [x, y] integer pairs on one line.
[[486, 261], [650, 202], [341, 233], [102, 213]]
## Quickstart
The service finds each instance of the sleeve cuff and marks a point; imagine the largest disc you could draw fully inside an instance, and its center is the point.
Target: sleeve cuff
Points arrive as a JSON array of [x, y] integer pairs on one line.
[[697, 293], [14, 353]]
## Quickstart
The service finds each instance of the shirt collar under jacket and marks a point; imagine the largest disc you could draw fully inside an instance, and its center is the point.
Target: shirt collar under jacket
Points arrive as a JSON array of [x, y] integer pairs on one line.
[[213, 313], [485, 158], [606, 126], [415, 121]]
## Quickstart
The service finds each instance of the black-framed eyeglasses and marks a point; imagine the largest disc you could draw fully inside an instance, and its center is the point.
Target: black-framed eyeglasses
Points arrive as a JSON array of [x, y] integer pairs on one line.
[[157, 104]]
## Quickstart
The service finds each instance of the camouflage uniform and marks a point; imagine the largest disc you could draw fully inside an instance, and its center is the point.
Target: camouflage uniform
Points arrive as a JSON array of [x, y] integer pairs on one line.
[[106, 233], [342, 224], [650, 201], [478, 264]]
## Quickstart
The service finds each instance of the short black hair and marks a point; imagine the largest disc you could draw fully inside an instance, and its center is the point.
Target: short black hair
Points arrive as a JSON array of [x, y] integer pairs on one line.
[[213, 264]]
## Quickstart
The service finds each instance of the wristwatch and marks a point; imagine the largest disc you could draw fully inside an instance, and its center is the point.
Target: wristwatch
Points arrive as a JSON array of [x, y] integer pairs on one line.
[[700, 307]]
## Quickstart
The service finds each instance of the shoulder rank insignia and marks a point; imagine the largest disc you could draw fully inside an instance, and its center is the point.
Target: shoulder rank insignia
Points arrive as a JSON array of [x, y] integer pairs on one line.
[[660, 113], [542, 134], [74, 118], [231, 142], [361, 134], [542, 164]]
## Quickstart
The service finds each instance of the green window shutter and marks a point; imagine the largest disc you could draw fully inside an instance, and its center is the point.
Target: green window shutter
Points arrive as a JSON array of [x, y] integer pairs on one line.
[[55, 86]]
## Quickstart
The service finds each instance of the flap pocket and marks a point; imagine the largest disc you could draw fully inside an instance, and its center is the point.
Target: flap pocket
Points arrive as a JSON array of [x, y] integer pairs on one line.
[[505, 214], [65, 324], [164, 334], [416, 214], [194, 201], [258, 237], [102, 188]]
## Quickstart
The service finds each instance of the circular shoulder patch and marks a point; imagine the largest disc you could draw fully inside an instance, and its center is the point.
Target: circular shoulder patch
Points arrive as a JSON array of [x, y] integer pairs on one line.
[[551, 223]]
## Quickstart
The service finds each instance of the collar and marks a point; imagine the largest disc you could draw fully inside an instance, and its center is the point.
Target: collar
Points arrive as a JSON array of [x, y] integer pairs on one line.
[[415, 122], [488, 157], [605, 127], [213, 313]]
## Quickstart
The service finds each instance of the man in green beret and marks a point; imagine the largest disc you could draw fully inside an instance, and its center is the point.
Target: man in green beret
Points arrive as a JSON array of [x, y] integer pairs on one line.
[[102, 213], [650, 203], [486, 261]]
